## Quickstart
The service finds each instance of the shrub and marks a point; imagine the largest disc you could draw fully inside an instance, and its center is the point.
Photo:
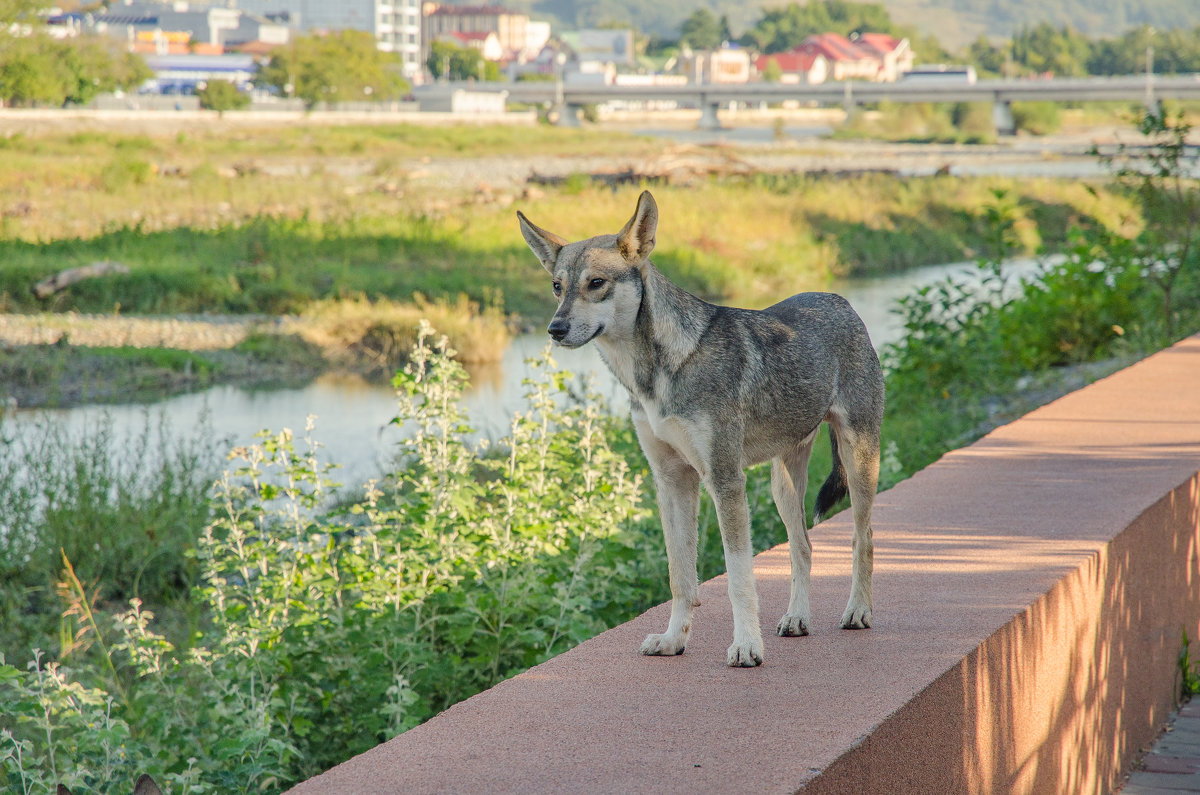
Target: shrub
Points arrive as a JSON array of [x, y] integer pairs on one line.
[[333, 629], [221, 95]]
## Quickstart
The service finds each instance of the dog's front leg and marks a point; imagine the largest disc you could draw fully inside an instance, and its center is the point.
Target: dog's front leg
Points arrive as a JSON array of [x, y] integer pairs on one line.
[[727, 484], [678, 487]]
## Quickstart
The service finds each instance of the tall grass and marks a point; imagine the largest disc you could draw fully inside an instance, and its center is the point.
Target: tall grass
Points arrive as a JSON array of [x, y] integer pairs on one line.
[[744, 240], [126, 509]]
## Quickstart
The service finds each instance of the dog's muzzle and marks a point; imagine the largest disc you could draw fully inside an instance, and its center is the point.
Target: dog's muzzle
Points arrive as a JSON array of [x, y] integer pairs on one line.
[[559, 328]]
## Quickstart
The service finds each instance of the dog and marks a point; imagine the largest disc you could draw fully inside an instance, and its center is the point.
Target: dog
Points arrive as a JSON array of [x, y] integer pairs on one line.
[[714, 389]]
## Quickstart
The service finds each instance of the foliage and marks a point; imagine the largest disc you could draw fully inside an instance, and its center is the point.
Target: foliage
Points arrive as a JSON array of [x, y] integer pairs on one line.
[[1189, 669], [1174, 50], [1044, 49], [785, 28], [968, 339], [340, 66], [222, 95], [1038, 118], [40, 70], [1162, 174], [1064, 51], [703, 31], [960, 122], [331, 630], [216, 235], [125, 509], [459, 63]]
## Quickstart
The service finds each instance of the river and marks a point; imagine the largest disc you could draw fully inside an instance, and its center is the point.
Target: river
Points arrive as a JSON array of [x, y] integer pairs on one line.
[[353, 415]]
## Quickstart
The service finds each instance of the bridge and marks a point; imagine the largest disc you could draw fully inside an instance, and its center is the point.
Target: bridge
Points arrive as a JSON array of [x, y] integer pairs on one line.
[[710, 97]]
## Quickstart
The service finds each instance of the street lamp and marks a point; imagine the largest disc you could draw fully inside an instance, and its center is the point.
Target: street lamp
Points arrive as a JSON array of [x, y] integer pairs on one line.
[[560, 60]]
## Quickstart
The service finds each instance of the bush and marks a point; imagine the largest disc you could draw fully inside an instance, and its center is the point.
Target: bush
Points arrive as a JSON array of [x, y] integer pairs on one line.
[[221, 95], [334, 629], [1038, 118]]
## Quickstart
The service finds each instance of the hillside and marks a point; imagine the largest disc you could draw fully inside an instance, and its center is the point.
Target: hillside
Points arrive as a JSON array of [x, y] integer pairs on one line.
[[955, 23]]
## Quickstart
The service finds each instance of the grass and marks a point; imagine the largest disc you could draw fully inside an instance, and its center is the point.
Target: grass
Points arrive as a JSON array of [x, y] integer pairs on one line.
[[743, 240]]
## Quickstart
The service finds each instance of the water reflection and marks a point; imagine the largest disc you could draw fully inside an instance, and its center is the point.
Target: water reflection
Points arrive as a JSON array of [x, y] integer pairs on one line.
[[354, 415]]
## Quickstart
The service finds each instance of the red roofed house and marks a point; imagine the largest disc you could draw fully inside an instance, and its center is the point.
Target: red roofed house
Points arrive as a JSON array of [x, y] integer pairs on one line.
[[795, 67], [871, 56], [895, 54]]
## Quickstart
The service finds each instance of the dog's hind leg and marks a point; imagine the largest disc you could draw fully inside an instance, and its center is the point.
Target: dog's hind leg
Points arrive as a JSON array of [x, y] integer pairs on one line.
[[789, 476], [859, 451], [678, 486]]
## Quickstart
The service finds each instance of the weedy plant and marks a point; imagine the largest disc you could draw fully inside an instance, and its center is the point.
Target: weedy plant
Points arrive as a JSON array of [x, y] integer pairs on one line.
[[334, 627]]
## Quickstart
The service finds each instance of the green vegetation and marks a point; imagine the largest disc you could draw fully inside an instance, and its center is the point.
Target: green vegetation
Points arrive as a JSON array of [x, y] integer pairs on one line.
[[459, 63], [38, 70], [1189, 670], [963, 122], [304, 624], [339, 66], [247, 224], [463, 567], [1113, 297], [703, 31], [221, 95]]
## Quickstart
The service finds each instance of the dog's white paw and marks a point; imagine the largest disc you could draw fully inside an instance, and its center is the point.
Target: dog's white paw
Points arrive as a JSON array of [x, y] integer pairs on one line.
[[856, 617], [663, 645], [793, 626], [745, 655]]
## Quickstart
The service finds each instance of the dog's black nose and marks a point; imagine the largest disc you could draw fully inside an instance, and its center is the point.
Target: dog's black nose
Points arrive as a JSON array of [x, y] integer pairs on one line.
[[558, 329]]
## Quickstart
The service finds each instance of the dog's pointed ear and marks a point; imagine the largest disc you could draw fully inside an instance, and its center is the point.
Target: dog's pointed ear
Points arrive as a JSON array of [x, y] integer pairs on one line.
[[545, 245], [636, 240]]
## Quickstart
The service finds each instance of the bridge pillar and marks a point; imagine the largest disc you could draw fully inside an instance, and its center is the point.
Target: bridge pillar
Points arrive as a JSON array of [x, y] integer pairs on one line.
[[568, 115], [1002, 117], [708, 115]]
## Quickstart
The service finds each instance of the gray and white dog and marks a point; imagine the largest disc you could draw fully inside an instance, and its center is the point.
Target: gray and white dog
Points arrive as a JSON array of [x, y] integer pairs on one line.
[[715, 389]]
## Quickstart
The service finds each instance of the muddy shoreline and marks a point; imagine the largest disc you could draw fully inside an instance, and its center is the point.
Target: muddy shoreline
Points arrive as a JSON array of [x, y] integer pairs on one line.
[[66, 360]]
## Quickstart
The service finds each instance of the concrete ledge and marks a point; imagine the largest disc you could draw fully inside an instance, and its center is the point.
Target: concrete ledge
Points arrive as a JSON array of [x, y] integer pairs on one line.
[[1030, 592]]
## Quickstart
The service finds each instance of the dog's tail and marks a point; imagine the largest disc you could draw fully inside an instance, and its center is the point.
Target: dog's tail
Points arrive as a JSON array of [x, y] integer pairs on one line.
[[835, 485]]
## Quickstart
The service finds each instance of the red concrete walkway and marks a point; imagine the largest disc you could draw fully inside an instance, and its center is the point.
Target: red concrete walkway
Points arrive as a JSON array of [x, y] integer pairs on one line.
[[1173, 765], [1030, 593]]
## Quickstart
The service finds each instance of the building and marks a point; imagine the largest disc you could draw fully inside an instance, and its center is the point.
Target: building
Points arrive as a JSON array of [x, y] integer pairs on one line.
[[724, 65], [795, 67], [175, 28], [600, 46], [395, 25], [511, 27], [185, 74], [870, 56], [486, 43]]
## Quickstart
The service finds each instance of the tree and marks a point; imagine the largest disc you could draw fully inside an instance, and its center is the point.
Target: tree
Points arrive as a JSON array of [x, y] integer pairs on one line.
[[987, 57], [342, 66], [221, 95], [39, 70], [462, 63], [782, 29], [1046, 49], [703, 31]]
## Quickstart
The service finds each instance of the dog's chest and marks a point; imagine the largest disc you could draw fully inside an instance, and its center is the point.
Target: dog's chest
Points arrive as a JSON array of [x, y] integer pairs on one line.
[[690, 436]]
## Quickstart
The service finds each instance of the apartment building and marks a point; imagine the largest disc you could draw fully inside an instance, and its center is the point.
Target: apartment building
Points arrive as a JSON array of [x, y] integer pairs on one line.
[[396, 25]]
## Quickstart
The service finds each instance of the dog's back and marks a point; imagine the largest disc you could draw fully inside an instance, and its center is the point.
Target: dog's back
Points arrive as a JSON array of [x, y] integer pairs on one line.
[[782, 369]]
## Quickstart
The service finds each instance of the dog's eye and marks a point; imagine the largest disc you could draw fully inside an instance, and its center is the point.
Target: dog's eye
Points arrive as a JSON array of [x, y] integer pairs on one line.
[[596, 284], [558, 288]]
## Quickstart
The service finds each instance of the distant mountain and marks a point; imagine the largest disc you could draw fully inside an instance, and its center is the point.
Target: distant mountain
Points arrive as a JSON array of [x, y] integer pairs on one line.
[[955, 23]]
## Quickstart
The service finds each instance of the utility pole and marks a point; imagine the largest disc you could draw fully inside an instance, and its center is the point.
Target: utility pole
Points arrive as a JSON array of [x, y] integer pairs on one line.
[[1151, 103]]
